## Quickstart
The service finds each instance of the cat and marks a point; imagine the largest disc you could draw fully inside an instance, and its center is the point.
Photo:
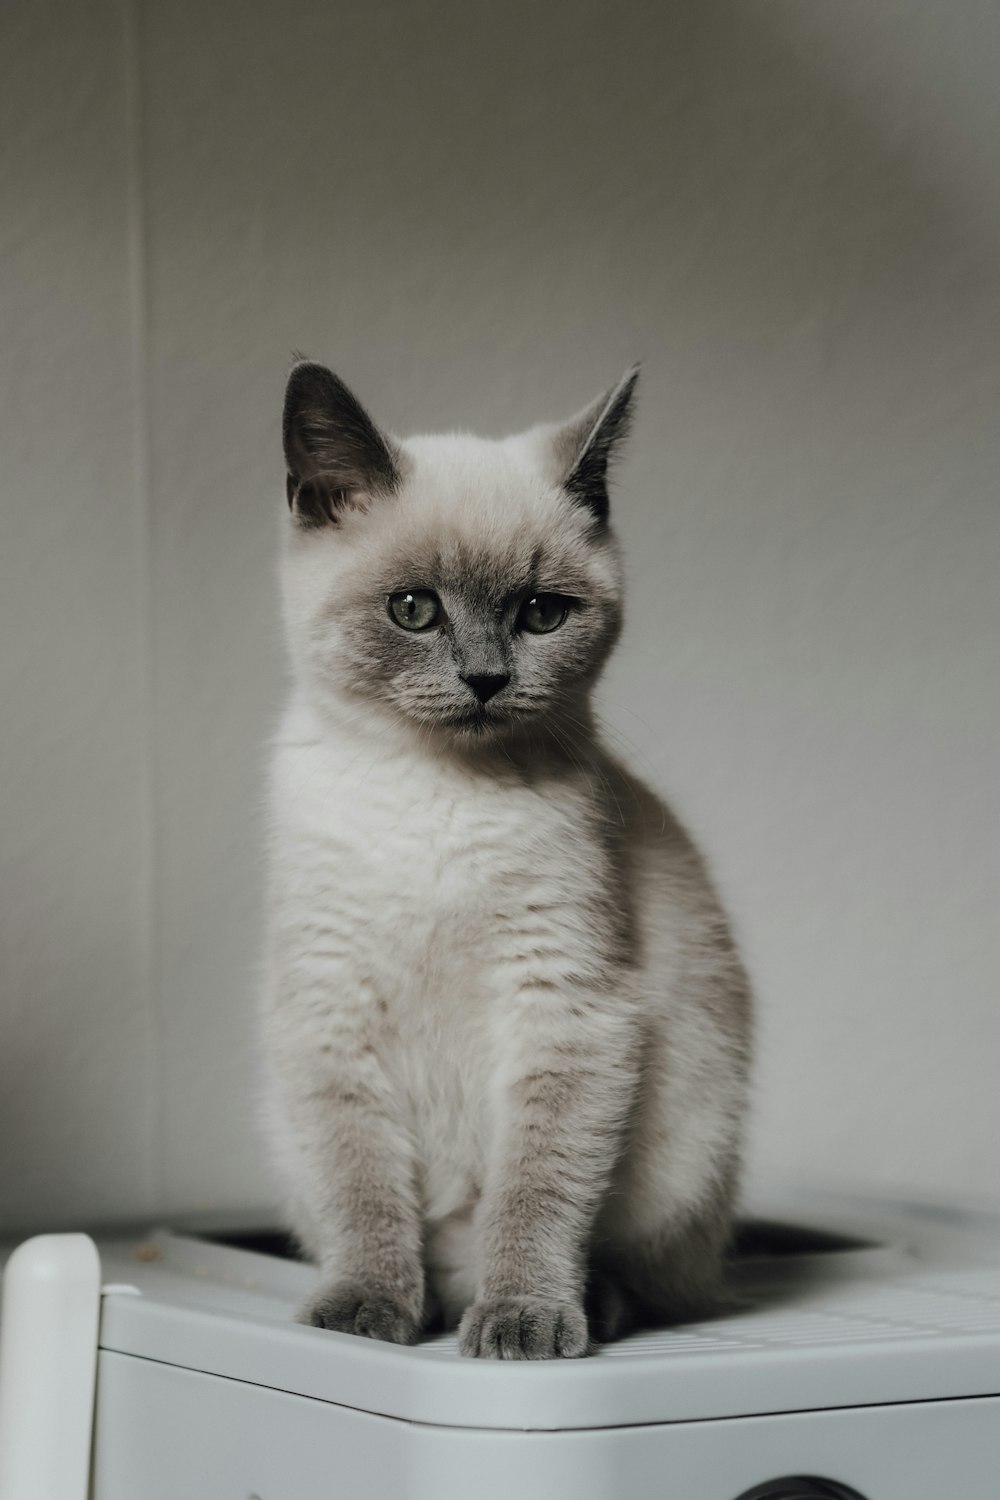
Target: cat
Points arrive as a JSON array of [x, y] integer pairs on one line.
[[505, 1027]]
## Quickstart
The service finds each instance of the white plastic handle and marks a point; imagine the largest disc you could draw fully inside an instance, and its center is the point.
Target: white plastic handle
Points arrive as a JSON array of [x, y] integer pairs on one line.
[[48, 1362]]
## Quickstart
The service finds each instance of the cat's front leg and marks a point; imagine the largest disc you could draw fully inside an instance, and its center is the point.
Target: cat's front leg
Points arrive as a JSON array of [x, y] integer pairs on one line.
[[561, 1107], [352, 1165]]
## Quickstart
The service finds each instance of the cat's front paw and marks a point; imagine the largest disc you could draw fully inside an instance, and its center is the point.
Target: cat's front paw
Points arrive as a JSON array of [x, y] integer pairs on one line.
[[523, 1328], [348, 1307]]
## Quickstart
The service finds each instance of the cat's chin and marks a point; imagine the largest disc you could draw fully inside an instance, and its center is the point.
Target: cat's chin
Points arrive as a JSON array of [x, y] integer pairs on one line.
[[474, 722], [476, 725]]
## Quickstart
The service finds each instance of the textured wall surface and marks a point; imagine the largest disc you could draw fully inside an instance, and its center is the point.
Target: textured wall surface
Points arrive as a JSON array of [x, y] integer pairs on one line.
[[76, 1102], [479, 216]]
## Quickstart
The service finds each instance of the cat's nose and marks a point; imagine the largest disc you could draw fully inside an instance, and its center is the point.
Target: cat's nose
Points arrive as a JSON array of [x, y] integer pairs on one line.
[[486, 684]]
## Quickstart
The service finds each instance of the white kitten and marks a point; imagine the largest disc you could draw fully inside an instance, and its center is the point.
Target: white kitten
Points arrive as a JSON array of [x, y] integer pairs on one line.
[[505, 1028]]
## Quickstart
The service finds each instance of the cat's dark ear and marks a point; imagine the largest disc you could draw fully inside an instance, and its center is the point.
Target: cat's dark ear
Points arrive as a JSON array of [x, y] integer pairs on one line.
[[587, 443], [335, 455]]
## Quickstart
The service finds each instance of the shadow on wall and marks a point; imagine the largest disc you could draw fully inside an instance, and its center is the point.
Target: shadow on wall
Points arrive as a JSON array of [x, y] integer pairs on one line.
[[398, 180]]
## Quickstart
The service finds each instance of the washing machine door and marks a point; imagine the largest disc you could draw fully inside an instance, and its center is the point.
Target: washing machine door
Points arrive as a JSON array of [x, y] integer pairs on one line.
[[799, 1487]]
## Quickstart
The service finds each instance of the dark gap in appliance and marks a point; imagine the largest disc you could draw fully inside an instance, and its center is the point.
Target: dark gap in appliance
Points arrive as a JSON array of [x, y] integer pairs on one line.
[[755, 1239]]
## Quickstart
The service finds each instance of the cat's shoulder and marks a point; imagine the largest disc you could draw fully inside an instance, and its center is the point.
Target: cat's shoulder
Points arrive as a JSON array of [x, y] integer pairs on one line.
[[643, 812]]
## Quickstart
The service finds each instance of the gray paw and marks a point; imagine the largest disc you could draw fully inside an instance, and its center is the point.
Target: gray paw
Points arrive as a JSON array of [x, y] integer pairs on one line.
[[347, 1307], [523, 1328]]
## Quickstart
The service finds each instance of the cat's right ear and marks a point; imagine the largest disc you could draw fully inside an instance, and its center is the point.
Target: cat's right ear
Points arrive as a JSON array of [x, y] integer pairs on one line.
[[336, 457], [586, 445]]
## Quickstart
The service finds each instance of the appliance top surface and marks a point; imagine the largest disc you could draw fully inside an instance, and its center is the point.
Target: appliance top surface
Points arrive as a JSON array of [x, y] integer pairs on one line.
[[841, 1303]]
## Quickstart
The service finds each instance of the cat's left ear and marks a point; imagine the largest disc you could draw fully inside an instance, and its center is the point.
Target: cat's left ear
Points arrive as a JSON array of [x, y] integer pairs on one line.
[[337, 458], [586, 444]]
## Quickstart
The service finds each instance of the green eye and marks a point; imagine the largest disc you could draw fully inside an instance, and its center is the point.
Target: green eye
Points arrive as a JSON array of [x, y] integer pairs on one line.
[[543, 613], [415, 609]]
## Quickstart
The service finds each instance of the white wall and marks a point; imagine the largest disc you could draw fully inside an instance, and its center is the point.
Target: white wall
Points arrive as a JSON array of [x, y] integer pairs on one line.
[[479, 216], [76, 1096]]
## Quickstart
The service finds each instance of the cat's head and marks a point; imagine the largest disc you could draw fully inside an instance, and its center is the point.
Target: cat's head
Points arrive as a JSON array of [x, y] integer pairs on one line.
[[466, 586]]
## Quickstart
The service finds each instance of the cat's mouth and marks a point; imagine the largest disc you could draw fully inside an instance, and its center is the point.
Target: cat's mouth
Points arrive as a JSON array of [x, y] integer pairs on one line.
[[476, 721]]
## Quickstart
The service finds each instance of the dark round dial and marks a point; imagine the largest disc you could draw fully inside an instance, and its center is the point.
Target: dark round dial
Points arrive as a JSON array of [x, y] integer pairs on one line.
[[801, 1487]]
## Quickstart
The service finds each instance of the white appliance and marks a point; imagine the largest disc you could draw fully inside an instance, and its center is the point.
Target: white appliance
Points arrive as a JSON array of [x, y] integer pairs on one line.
[[864, 1363]]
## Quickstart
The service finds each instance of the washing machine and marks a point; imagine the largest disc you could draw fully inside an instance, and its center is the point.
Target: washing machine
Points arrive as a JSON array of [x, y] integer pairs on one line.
[[860, 1362]]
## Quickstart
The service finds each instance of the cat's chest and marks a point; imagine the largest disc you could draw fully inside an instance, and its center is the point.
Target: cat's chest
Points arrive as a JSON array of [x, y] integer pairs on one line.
[[432, 848], [428, 869]]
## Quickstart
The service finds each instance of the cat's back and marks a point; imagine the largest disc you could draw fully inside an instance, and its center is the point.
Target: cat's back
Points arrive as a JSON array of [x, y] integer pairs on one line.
[[684, 946]]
